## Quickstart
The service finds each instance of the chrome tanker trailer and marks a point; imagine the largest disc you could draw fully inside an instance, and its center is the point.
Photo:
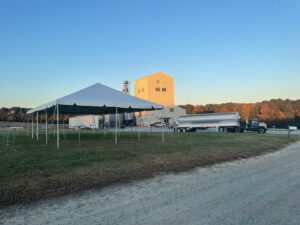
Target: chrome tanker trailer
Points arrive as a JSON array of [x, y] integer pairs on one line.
[[223, 122]]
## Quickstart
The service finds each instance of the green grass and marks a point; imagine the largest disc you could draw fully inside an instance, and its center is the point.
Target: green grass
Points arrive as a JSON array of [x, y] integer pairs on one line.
[[32, 170]]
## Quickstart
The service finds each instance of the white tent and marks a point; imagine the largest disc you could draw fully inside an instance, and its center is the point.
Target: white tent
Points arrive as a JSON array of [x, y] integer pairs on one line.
[[96, 99]]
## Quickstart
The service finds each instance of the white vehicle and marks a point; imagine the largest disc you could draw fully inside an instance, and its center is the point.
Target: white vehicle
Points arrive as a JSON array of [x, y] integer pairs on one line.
[[86, 121], [160, 124], [229, 122]]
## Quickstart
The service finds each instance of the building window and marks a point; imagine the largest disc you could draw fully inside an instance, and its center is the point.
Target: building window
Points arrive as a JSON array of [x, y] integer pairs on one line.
[[171, 109], [157, 89], [164, 89], [142, 89], [157, 81], [139, 91]]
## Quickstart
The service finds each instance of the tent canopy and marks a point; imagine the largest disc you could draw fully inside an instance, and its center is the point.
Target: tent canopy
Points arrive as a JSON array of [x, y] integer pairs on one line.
[[97, 99]]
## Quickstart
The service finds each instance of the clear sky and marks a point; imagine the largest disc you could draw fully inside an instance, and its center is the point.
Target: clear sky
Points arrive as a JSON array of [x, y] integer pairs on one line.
[[217, 50]]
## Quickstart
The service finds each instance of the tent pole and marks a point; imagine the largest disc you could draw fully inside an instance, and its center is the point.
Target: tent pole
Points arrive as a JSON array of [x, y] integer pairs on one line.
[[37, 125], [116, 135], [53, 117], [57, 125], [94, 125], [32, 118], [79, 135], [104, 128], [162, 128], [46, 127]]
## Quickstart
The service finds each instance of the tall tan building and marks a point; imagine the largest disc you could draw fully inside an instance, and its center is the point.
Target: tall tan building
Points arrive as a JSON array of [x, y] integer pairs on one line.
[[157, 87]]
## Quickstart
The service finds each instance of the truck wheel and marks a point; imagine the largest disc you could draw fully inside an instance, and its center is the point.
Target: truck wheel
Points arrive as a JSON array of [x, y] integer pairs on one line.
[[261, 130], [237, 130]]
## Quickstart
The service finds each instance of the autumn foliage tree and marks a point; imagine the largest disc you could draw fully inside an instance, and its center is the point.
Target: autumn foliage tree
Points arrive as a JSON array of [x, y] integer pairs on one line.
[[276, 112]]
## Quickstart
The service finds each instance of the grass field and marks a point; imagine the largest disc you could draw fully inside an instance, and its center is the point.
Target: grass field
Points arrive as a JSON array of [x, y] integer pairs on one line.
[[32, 170]]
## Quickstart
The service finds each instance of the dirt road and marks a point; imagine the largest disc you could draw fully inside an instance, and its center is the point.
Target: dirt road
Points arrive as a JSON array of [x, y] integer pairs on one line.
[[263, 190]]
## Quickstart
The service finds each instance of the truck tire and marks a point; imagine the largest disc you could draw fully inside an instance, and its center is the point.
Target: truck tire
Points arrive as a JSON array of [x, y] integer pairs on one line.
[[261, 130], [238, 130]]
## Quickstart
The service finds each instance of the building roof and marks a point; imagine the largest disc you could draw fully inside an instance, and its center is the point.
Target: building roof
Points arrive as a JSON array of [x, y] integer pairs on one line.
[[154, 74]]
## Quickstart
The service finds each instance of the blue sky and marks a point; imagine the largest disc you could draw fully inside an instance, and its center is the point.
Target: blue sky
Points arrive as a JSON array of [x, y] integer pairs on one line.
[[217, 51]]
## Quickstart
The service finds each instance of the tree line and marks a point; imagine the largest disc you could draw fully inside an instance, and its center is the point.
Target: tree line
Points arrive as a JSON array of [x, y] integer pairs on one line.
[[18, 114], [276, 112]]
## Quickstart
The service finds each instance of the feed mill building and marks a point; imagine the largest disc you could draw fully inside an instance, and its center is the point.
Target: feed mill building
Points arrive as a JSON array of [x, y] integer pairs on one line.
[[158, 88]]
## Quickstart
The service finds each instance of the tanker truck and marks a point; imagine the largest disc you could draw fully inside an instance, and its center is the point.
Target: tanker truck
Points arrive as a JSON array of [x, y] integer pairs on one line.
[[223, 122]]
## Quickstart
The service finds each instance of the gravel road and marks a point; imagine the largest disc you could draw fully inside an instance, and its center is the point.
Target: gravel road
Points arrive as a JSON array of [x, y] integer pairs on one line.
[[261, 190]]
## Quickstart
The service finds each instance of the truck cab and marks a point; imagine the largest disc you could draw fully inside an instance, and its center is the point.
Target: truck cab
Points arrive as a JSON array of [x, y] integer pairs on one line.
[[256, 125]]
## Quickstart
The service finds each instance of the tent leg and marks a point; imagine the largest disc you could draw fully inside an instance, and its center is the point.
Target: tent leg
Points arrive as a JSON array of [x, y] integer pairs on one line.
[[57, 126], [162, 128], [116, 135], [32, 118], [79, 136], [37, 125], [46, 127]]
